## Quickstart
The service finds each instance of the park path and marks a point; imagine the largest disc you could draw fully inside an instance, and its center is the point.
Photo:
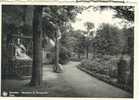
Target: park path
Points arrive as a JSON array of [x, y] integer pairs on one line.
[[85, 85], [71, 83]]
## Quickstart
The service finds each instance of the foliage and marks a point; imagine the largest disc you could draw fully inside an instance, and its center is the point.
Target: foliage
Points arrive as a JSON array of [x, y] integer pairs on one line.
[[109, 68], [109, 40], [129, 33], [80, 42], [126, 12], [106, 64], [58, 16], [89, 26], [64, 55], [17, 18], [102, 66], [68, 40], [74, 41]]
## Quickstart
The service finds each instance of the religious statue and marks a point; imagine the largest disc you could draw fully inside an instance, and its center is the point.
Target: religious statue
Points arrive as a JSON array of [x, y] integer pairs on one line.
[[20, 51]]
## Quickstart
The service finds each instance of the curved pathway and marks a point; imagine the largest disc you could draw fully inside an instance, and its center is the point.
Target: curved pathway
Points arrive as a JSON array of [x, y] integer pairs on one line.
[[88, 86]]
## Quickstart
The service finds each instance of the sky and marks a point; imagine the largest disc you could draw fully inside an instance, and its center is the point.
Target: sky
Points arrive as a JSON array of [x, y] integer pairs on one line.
[[97, 17]]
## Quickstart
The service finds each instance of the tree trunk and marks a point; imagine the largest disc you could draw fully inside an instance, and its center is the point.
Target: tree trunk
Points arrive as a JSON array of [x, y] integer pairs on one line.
[[37, 47], [57, 66], [57, 52], [87, 52]]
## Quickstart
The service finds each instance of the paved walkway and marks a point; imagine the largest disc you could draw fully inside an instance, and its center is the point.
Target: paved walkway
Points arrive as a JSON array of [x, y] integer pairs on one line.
[[71, 83], [85, 85]]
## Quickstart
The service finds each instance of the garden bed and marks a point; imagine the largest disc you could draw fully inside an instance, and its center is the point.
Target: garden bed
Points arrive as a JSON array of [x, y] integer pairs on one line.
[[102, 70], [106, 79]]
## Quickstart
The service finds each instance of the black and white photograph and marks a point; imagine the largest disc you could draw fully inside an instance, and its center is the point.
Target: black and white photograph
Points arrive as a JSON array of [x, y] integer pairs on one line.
[[67, 51]]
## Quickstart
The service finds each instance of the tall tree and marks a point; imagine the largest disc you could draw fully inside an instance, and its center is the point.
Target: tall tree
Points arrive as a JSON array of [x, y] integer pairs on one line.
[[127, 12], [37, 51], [79, 44], [89, 27], [57, 67], [57, 16]]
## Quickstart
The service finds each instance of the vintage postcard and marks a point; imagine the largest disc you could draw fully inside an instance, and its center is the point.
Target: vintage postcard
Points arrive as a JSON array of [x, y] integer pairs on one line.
[[68, 48]]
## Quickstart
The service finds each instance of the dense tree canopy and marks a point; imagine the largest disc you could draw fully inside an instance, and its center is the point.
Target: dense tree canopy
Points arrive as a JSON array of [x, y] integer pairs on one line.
[[58, 16], [109, 40]]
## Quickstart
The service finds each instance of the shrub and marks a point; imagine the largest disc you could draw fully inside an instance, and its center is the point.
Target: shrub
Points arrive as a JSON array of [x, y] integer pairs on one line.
[[106, 65], [111, 69], [64, 55], [123, 70]]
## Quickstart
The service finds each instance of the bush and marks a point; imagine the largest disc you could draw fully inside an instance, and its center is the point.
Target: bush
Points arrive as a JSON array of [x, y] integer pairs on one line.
[[111, 69], [64, 55], [123, 70], [106, 66]]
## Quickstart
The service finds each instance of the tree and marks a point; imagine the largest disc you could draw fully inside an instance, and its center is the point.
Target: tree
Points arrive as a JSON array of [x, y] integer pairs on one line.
[[109, 40], [57, 16], [88, 37], [79, 44], [37, 51], [57, 66], [125, 12]]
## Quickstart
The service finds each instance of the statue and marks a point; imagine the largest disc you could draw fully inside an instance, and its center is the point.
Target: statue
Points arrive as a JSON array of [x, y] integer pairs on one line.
[[20, 51]]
